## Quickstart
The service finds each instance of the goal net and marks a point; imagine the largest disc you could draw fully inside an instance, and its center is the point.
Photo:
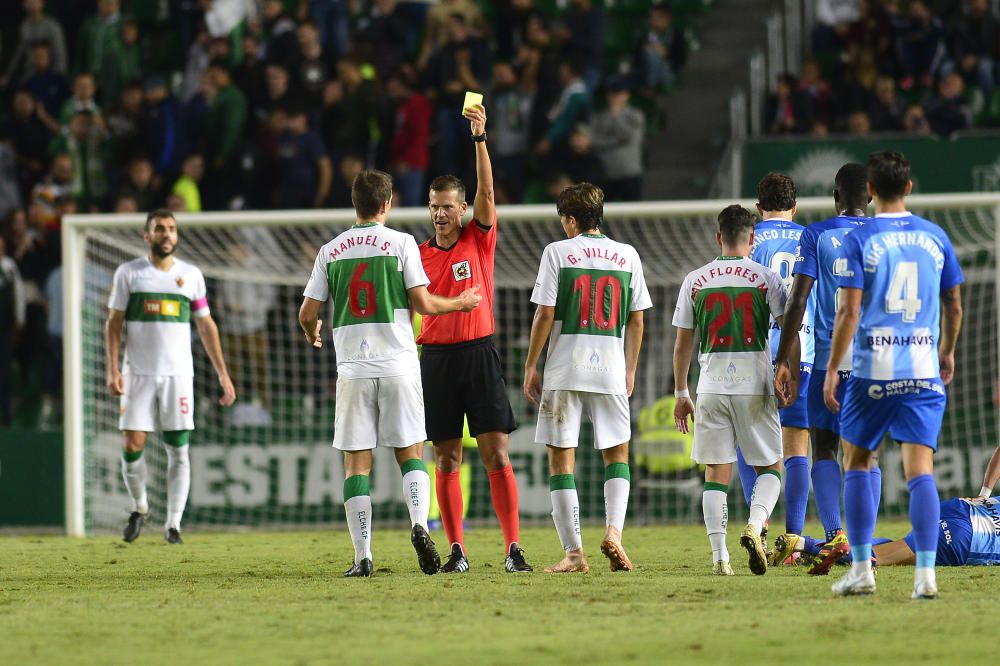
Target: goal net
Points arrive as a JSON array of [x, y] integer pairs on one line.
[[268, 462]]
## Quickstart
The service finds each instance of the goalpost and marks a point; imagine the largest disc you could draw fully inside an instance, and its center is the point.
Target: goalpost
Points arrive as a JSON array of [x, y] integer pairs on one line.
[[267, 462]]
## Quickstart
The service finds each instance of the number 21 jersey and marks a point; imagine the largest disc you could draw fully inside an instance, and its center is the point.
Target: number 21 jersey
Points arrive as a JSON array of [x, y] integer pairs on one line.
[[731, 301], [594, 283]]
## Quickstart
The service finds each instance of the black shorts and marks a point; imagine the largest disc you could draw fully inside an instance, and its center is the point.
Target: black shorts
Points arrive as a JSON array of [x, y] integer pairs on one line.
[[464, 379]]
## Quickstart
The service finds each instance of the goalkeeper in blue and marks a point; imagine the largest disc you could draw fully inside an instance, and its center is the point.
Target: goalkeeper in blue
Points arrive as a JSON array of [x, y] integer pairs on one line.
[[901, 302]]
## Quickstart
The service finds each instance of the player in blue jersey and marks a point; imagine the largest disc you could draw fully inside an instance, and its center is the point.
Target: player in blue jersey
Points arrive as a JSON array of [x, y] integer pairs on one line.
[[817, 263], [776, 238], [900, 293]]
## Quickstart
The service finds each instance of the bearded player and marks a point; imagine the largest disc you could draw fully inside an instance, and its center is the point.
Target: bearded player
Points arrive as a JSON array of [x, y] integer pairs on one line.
[[460, 366], [154, 299]]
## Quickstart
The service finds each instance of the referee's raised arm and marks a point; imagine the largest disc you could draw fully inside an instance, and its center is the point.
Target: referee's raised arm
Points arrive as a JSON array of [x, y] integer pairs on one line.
[[484, 208]]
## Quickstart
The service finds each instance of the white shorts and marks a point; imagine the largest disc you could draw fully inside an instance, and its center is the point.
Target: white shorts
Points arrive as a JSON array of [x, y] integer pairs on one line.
[[560, 413], [152, 403], [384, 410], [723, 422]]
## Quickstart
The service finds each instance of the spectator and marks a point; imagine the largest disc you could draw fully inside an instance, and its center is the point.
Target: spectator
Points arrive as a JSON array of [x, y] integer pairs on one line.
[[915, 121], [85, 142], [278, 93], [36, 28], [410, 155], [348, 169], [920, 43], [31, 129], [539, 62], [333, 21], [352, 105], [618, 136], [96, 33], [120, 60], [509, 118], [279, 32], [437, 31], [126, 203], [12, 320], [947, 112], [382, 37], [52, 398], [833, 18], [973, 42], [577, 158], [571, 108], [175, 203], [186, 187], [142, 184], [582, 37], [224, 127], [50, 87], [84, 89], [886, 112], [510, 24], [57, 185], [126, 122], [858, 89], [555, 185], [859, 124], [250, 75], [663, 52], [165, 139], [783, 112], [313, 71], [304, 170], [815, 92], [196, 64], [10, 188]]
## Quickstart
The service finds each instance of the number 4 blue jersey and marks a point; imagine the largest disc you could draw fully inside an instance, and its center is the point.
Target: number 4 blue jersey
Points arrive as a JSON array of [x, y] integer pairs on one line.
[[902, 263], [774, 245], [819, 256]]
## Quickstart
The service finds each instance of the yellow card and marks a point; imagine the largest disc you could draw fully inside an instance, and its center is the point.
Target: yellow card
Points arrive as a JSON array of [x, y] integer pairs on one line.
[[471, 99]]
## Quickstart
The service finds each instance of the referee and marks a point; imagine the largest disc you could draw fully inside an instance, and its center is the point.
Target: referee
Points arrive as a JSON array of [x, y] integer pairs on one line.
[[460, 364]]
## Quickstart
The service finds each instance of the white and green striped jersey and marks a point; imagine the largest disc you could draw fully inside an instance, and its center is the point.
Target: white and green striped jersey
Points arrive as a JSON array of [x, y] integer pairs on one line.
[[158, 307], [366, 272], [730, 301]]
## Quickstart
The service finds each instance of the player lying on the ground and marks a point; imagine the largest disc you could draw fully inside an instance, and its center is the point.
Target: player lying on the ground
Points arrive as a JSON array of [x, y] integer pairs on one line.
[[968, 535]]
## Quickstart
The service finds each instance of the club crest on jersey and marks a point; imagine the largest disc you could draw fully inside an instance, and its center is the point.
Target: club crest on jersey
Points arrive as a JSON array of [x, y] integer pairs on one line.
[[461, 270], [180, 282]]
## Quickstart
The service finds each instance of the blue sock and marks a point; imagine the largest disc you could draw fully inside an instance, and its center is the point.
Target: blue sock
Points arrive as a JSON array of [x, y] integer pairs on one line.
[[925, 514], [827, 481], [859, 512], [876, 487], [748, 476], [812, 546], [796, 493]]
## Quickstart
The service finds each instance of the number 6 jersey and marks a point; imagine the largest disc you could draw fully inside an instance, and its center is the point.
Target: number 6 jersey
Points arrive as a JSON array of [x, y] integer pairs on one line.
[[366, 271], [594, 283], [730, 301]]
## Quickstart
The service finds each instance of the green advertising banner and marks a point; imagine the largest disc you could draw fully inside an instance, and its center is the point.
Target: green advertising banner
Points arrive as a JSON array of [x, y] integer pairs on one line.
[[967, 163]]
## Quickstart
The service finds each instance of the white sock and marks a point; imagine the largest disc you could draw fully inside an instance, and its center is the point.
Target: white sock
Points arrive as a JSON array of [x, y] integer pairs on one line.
[[716, 511], [417, 495], [765, 496], [134, 475], [924, 574], [566, 516], [359, 523], [178, 483], [616, 502]]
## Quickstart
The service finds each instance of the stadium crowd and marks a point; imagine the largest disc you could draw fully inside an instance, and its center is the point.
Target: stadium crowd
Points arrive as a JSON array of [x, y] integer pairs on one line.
[[920, 66], [129, 105]]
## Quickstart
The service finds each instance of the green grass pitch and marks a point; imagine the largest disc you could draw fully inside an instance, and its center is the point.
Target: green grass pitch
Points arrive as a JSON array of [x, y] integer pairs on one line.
[[263, 598]]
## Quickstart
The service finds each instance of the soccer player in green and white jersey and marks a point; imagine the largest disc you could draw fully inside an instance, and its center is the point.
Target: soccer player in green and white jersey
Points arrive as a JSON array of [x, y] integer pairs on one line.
[[155, 298], [730, 300], [374, 276], [591, 295]]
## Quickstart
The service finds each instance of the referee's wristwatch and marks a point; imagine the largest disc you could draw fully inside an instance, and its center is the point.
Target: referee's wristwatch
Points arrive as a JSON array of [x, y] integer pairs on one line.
[[478, 138]]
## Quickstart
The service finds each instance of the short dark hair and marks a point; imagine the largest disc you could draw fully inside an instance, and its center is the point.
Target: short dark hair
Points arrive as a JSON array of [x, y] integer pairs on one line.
[[735, 223], [888, 174], [159, 214], [776, 191], [585, 203], [370, 190], [449, 183], [851, 184]]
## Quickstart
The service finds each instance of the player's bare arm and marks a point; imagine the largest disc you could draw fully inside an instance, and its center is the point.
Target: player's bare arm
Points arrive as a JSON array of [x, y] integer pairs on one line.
[[112, 347], [633, 342], [784, 378], [541, 327], [426, 303], [483, 206], [310, 322], [683, 407], [992, 475], [209, 334], [844, 326], [951, 325]]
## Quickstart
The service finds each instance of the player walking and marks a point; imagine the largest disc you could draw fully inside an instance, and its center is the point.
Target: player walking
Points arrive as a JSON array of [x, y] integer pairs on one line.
[[373, 276], [899, 270], [818, 262], [154, 298], [590, 294], [460, 364], [731, 300]]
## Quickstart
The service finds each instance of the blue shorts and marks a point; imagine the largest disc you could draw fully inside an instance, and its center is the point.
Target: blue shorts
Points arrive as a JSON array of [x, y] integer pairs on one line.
[[910, 410], [796, 415], [819, 414], [954, 535]]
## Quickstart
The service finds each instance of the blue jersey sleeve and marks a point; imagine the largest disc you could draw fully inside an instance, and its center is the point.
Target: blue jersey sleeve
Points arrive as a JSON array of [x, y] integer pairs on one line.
[[951, 274], [853, 275], [805, 255]]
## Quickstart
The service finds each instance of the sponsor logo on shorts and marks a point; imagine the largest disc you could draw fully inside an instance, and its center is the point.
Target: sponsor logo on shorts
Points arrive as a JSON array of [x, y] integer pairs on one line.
[[461, 270], [904, 387], [166, 308]]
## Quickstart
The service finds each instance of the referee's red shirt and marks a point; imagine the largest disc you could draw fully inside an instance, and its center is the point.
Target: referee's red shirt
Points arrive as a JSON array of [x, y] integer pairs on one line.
[[453, 270]]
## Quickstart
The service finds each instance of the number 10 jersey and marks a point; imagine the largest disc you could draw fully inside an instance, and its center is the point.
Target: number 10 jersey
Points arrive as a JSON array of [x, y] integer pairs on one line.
[[593, 283], [731, 301]]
